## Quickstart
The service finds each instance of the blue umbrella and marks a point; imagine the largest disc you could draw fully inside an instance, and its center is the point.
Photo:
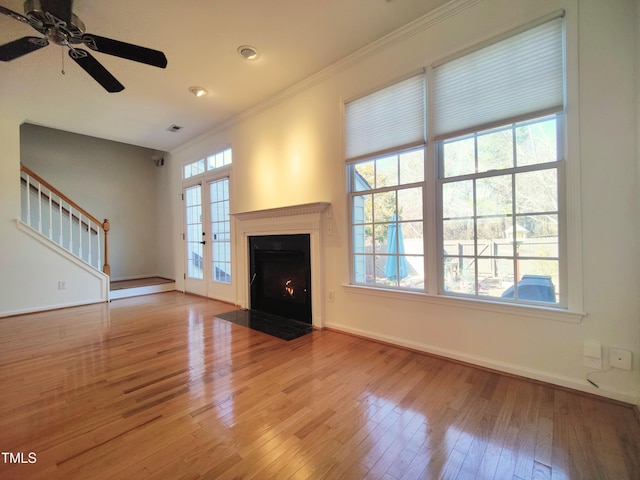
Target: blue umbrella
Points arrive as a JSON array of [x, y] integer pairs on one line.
[[395, 246]]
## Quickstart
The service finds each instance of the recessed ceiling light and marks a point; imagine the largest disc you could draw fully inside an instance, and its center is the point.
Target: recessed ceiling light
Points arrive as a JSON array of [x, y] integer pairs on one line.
[[198, 91], [248, 52]]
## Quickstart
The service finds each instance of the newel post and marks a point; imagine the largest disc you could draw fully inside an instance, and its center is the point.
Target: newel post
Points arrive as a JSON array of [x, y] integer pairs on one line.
[[106, 226]]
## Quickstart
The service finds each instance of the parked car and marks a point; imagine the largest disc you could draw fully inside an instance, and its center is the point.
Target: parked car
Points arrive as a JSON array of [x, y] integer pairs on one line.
[[537, 288]]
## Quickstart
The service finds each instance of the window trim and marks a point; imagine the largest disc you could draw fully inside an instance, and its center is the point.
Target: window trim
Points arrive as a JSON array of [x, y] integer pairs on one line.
[[481, 304]]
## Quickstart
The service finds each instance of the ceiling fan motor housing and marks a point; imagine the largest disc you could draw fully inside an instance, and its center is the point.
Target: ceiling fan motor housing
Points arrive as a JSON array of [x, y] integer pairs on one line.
[[57, 30]]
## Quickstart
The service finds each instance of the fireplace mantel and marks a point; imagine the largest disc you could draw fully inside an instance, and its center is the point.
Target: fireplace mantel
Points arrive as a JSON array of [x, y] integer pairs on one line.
[[302, 209], [304, 218]]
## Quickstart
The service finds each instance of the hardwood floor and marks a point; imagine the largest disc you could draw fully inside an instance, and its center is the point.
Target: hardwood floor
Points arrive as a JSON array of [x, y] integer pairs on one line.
[[156, 387]]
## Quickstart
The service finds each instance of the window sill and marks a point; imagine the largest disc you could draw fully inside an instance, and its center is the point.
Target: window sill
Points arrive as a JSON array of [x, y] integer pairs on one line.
[[532, 311]]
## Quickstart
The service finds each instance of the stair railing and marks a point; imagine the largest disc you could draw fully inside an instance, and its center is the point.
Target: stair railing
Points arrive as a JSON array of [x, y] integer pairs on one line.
[[56, 216]]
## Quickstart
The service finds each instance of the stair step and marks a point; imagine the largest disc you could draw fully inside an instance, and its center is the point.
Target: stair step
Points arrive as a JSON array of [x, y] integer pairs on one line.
[[140, 286]]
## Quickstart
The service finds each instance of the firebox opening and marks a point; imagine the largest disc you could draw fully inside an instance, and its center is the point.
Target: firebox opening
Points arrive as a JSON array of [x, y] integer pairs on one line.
[[280, 275]]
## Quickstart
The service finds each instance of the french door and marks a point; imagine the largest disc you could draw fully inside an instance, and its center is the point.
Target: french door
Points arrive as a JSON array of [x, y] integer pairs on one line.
[[195, 241], [208, 265]]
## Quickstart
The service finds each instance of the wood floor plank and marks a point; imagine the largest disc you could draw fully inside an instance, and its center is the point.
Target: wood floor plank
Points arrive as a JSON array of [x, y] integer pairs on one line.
[[157, 387]]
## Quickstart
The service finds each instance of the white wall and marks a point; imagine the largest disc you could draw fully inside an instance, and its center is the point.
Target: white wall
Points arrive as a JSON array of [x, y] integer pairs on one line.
[[29, 270], [110, 180], [289, 152]]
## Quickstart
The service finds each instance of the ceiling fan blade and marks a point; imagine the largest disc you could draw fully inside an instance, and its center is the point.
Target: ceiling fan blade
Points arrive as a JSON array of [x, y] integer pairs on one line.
[[12, 14], [61, 9], [21, 47], [96, 70], [125, 50]]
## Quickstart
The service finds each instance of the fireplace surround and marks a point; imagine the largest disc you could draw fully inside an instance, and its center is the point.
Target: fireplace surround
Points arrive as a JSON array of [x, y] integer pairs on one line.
[[305, 219]]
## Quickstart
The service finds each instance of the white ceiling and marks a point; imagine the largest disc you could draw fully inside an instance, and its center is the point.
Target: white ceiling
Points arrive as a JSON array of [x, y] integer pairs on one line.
[[295, 38]]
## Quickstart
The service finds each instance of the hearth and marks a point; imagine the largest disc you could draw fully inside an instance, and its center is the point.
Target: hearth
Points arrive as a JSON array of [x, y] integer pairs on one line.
[[280, 275]]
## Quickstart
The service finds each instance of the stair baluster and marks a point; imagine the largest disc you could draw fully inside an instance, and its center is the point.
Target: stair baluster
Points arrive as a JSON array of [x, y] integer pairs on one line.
[[38, 190]]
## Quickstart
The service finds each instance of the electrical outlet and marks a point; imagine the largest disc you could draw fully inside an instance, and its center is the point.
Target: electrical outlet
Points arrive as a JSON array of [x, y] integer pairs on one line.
[[62, 285], [620, 358], [332, 296], [592, 349], [592, 355], [591, 362]]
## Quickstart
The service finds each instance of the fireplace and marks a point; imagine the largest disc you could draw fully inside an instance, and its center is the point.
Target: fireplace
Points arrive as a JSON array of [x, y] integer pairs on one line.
[[309, 220], [280, 275]]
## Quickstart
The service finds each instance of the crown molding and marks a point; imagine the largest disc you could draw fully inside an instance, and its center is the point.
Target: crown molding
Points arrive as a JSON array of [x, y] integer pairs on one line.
[[414, 27]]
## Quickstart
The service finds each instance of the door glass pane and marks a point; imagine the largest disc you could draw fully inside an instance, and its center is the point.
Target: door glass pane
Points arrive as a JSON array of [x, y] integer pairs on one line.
[[220, 231], [193, 205]]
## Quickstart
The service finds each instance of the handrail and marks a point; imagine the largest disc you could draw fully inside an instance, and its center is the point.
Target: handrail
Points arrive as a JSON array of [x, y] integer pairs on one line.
[[53, 189], [69, 210], [105, 225]]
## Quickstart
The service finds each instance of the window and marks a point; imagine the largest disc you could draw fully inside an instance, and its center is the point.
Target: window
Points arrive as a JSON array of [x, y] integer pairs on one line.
[[493, 172], [386, 175], [388, 241], [194, 168], [499, 212], [217, 160]]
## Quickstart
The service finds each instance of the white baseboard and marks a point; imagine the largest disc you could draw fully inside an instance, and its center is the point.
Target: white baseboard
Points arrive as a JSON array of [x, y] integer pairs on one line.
[[575, 384], [26, 311]]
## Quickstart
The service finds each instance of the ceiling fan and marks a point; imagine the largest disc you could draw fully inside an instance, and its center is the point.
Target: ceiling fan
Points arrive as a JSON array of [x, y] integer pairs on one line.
[[56, 21]]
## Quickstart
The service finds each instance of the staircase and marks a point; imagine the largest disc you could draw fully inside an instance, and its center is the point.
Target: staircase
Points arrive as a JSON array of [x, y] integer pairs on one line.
[[59, 219], [140, 286], [52, 214]]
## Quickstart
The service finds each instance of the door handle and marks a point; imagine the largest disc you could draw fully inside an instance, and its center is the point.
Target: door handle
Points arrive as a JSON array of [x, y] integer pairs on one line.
[[203, 242]]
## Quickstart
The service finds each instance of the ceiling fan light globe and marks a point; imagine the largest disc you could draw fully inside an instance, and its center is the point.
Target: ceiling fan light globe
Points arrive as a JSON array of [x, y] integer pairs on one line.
[[57, 36]]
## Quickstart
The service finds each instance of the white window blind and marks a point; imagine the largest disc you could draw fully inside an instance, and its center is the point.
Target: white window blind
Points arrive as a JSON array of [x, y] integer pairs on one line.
[[521, 75], [389, 118]]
